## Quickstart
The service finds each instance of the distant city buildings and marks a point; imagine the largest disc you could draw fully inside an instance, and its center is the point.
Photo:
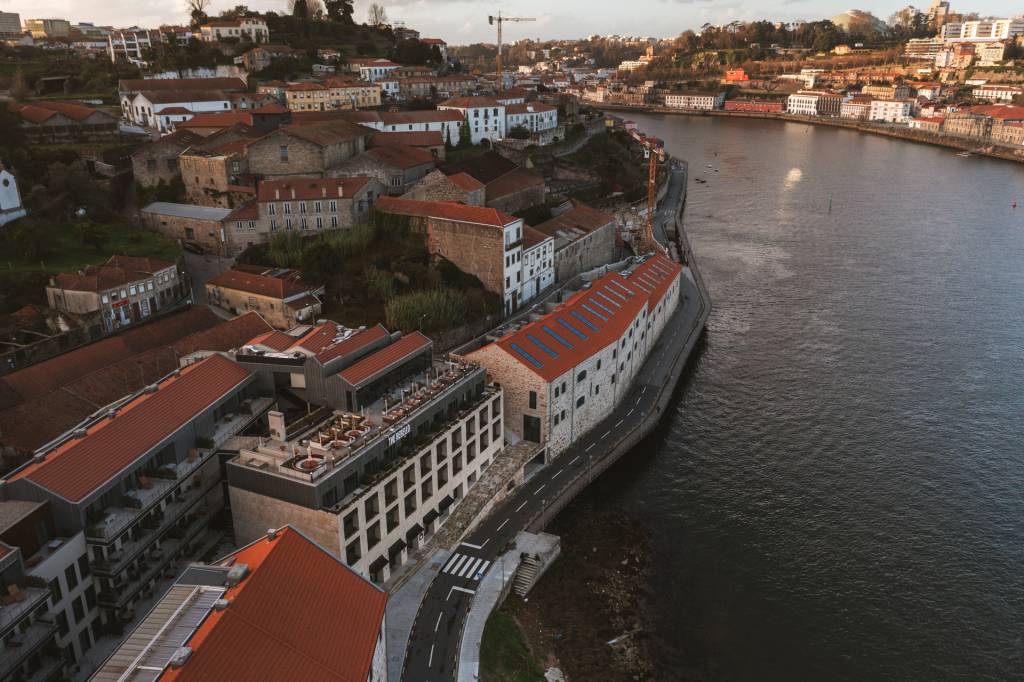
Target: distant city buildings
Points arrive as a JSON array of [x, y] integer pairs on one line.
[[48, 28]]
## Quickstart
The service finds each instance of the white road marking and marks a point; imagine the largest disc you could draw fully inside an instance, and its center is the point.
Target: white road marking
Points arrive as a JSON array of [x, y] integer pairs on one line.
[[454, 557], [573, 460], [431, 661], [480, 546], [539, 489], [606, 434], [458, 589], [638, 401], [643, 390], [620, 423], [461, 562], [587, 449], [630, 412], [556, 474], [521, 506], [481, 571], [502, 524], [470, 567], [438, 623]]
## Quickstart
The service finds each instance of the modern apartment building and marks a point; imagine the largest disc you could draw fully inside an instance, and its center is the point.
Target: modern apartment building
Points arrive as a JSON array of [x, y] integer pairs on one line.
[[399, 439], [564, 372], [814, 103], [252, 29], [248, 617], [984, 30], [891, 111], [10, 26], [48, 28]]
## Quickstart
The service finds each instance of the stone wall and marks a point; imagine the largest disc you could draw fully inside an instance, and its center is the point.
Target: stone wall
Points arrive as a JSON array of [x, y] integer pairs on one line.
[[254, 514], [476, 249], [207, 179], [586, 253], [436, 186], [396, 181], [206, 233], [154, 163], [519, 200], [304, 158], [274, 311]]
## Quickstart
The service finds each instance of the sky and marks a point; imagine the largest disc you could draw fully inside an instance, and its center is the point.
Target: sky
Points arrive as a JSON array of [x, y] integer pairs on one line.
[[465, 21]]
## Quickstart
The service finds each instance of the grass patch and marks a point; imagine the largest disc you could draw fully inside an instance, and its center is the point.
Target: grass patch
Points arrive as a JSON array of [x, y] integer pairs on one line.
[[504, 656], [459, 154], [612, 158], [66, 253]]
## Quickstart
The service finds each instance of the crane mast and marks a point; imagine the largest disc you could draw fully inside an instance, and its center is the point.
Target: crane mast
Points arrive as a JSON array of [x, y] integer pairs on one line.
[[497, 21]]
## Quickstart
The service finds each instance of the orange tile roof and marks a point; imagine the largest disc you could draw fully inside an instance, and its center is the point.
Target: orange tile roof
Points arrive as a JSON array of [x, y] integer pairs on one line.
[[426, 138], [300, 615], [444, 210], [250, 210], [470, 102], [466, 182], [515, 180], [385, 358], [80, 466], [610, 305], [311, 188], [529, 108], [276, 341], [579, 217], [217, 119], [401, 156], [322, 343], [260, 285]]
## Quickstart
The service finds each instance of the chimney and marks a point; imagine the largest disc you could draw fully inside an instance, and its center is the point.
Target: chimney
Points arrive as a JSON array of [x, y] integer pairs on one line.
[[277, 193], [275, 420], [339, 190], [293, 192]]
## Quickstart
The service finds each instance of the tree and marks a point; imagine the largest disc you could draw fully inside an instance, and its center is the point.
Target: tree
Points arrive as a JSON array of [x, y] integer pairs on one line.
[[197, 12], [376, 15], [340, 10], [300, 9], [91, 234], [236, 12], [519, 132], [19, 86]]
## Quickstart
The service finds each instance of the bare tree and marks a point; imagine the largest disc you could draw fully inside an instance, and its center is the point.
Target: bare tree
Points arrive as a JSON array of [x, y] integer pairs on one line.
[[197, 11], [377, 15]]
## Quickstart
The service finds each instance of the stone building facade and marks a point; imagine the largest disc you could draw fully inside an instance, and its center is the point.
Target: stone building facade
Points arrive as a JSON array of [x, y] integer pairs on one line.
[[157, 161], [306, 149], [199, 225], [461, 187], [398, 168], [584, 239]]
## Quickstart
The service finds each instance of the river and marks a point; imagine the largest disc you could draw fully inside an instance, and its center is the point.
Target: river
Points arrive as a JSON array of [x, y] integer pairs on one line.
[[838, 490]]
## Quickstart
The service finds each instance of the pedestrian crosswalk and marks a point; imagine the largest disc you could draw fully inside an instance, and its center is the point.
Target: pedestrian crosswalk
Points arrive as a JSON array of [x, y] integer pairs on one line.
[[465, 566]]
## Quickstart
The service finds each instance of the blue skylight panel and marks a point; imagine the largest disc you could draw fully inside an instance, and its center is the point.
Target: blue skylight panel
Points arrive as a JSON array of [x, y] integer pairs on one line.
[[526, 356], [573, 329], [584, 320], [594, 313], [607, 299], [543, 346], [557, 337], [597, 304]]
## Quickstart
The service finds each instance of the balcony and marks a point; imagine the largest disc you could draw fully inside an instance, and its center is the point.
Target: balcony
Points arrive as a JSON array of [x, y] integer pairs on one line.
[[26, 643], [158, 562], [130, 549], [13, 611]]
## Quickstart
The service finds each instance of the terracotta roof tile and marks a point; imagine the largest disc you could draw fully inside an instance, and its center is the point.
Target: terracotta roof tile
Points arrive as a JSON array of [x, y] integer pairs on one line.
[[81, 465], [602, 313], [217, 119], [311, 188], [325, 343], [300, 615], [515, 180], [445, 210], [276, 341], [575, 222], [385, 358], [432, 138], [175, 96], [470, 102], [466, 182], [260, 285], [400, 156]]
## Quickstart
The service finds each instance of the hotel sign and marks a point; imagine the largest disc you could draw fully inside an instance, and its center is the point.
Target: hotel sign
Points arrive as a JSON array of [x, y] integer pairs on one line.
[[399, 434]]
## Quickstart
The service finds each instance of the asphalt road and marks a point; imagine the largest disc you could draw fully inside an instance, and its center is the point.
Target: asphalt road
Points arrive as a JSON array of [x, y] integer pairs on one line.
[[432, 652]]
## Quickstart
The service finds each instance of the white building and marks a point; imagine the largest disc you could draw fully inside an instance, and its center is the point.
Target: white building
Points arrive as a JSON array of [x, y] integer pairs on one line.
[[986, 30], [10, 199], [485, 116], [538, 262], [891, 111], [130, 43], [163, 109], [252, 29], [566, 371], [539, 118], [997, 93], [699, 101], [814, 103], [448, 123], [375, 69], [10, 25]]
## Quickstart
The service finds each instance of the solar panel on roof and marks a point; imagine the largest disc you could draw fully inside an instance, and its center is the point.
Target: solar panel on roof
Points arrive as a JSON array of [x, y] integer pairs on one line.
[[556, 336], [573, 329], [529, 358], [583, 320], [543, 346], [608, 299], [598, 304]]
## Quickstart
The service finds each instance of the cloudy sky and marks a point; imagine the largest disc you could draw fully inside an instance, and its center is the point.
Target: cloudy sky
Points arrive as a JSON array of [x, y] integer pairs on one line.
[[465, 21]]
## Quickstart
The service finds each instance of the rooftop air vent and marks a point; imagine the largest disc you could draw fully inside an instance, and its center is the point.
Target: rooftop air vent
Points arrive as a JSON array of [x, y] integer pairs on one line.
[[180, 656], [39, 458], [152, 388], [237, 574], [111, 413], [221, 604], [79, 433], [271, 533]]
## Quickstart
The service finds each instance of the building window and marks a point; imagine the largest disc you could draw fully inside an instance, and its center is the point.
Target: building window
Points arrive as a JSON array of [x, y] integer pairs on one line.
[[284, 153], [302, 207], [580, 401], [55, 592], [316, 207], [319, 223], [581, 376], [533, 400], [71, 577], [334, 207], [272, 209], [334, 221]]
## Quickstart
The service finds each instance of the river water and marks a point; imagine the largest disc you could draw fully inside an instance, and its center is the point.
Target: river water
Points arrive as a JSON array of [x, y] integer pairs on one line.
[[837, 492]]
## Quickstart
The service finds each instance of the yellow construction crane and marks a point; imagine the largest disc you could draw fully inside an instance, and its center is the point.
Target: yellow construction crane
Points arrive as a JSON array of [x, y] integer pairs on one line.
[[498, 21]]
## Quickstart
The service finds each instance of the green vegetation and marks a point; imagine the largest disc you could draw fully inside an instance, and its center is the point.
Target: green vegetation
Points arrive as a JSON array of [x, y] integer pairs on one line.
[[381, 273], [619, 169], [44, 245], [504, 656], [88, 78], [519, 132]]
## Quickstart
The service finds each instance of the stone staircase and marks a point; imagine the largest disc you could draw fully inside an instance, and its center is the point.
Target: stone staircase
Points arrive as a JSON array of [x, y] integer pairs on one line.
[[526, 575]]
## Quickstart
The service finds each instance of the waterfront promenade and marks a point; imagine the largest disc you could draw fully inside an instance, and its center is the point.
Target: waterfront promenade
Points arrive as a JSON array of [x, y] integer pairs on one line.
[[433, 648]]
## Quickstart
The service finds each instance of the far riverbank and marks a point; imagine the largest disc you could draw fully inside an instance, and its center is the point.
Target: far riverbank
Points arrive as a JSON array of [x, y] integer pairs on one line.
[[907, 134]]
